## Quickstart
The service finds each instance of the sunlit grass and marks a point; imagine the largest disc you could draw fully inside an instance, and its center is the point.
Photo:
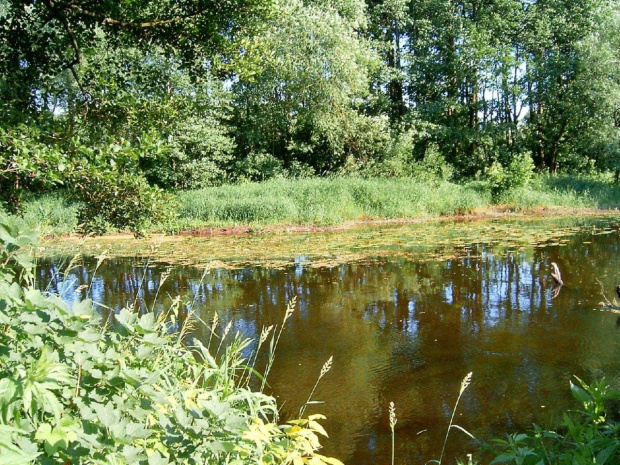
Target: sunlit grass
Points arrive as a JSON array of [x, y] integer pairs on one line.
[[324, 201], [49, 214], [337, 200]]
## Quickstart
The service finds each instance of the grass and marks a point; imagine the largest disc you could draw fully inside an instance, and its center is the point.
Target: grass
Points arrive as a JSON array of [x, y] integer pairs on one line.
[[323, 201], [50, 214], [336, 200]]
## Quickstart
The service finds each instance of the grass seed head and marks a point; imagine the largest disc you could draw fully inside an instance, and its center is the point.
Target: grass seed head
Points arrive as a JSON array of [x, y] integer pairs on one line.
[[264, 334], [326, 367], [393, 418], [466, 381]]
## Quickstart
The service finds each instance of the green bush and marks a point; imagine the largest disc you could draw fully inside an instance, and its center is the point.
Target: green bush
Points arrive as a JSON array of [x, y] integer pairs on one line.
[[504, 179], [590, 435], [126, 202], [79, 388]]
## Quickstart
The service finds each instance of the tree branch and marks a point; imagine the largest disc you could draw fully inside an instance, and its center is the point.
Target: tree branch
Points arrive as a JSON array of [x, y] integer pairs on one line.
[[130, 24]]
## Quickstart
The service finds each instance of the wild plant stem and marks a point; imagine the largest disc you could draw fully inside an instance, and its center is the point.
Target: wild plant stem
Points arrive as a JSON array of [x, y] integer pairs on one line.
[[326, 367], [464, 385], [274, 343]]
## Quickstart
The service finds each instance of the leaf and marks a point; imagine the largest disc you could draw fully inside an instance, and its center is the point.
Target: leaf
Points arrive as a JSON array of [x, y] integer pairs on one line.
[[503, 458], [580, 394], [107, 414], [158, 459], [127, 319], [317, 427], [604, 455], [329, 460], [463, 430], [136, 430], [13, 455], [146, 323]]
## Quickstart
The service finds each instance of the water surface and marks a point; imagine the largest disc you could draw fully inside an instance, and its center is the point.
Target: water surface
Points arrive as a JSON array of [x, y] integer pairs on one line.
[[406, 329]]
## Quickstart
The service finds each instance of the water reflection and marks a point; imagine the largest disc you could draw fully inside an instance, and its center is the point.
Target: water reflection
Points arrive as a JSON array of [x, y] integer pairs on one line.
[[403, 331]]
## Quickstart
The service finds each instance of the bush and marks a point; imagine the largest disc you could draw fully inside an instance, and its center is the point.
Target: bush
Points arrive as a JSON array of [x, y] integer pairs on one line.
[[75, 388], [109, 200], [258, 166], [504, 179], [586, 436]]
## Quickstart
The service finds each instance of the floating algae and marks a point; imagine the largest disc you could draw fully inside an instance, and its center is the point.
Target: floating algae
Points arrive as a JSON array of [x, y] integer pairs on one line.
[[439, 240]]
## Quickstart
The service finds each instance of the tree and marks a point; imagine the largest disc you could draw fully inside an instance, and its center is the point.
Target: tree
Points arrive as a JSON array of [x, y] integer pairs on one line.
[[300, 82], [83, 88]]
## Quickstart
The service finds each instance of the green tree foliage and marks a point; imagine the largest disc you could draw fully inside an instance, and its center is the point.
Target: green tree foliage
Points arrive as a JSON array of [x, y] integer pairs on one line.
[[78, 78], [300, 85], [495, 78], [201, 93]]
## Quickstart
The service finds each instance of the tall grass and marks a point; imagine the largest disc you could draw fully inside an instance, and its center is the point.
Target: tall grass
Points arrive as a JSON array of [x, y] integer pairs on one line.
[[336, 200], [49, 214], [324, 201], [331, 201]]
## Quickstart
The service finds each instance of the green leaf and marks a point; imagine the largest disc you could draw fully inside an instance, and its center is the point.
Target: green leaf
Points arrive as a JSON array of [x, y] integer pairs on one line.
[[606, 453], [158, 459], [107, 415], [13, 455], [580, 394]]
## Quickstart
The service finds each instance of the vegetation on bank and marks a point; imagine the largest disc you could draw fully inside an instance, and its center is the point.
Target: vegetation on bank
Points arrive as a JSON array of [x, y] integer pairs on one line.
[[330, 201], [79, 385], [588, 435], [124, 104]]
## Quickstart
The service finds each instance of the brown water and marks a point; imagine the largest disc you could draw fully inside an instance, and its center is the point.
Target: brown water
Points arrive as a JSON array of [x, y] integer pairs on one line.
[[406, 331]]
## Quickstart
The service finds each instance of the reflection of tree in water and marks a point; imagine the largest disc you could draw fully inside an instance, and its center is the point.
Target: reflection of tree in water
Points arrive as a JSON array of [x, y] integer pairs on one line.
[[403, 331]]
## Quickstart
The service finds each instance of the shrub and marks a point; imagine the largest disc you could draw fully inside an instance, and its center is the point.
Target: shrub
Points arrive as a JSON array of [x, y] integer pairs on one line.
[[121, 201], [586, 436], [75, 388], [504, 179]]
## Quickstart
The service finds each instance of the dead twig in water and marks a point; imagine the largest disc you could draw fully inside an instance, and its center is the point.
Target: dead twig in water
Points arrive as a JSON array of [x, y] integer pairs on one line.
[[557, 277], [606, 305]]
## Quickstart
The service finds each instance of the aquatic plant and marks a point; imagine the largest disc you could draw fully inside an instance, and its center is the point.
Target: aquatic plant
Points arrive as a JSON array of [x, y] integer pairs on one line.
[[77, 389]]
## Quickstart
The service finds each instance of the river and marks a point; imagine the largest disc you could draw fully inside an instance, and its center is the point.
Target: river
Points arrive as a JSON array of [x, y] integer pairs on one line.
[[403, 329]]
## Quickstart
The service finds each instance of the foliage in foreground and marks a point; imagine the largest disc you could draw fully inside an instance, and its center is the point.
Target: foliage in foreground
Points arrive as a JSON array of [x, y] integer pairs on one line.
[[590, 435], [75, 389]]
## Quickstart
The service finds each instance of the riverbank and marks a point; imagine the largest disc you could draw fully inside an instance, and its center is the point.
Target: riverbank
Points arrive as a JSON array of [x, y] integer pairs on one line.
[[321, 204]]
